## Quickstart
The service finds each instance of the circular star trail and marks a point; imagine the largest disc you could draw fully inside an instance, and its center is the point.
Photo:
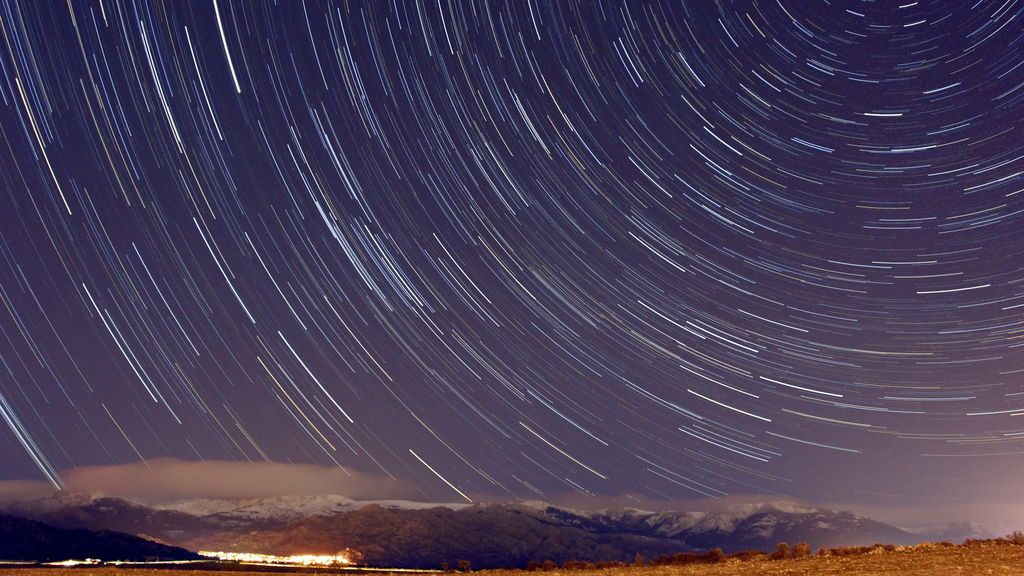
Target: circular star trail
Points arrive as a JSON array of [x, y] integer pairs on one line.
[[525, 248]]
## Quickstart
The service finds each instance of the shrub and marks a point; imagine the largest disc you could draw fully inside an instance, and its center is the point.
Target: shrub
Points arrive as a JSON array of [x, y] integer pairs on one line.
[[662, 560], [1016, 537], [879, 548], [845, 551], [747, 555], [682, 558], [781, 551], [713, 556], [463, 565], [801, 550]]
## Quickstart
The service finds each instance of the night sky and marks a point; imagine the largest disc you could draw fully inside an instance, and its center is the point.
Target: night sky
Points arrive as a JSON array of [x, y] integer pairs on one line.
[[676, 250]]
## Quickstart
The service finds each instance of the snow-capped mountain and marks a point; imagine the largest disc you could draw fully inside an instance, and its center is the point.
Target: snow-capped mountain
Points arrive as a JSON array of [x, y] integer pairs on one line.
[[414, 534], [286, 508], [955, 532], [742, 526]]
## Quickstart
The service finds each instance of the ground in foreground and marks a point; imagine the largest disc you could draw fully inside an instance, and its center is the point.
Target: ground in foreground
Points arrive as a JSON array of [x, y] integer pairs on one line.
[[923, 560], [913, 561]]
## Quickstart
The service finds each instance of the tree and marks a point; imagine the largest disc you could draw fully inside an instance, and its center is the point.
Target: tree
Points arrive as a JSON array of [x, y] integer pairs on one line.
[[714, 555], [781, 551]]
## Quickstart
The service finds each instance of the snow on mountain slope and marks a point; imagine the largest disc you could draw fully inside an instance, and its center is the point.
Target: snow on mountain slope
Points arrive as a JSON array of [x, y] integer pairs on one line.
[[71, 504], [279, 507], [55, 503], [671, 524], [276, 508], [285, 508], [953, 532], [725, 520]]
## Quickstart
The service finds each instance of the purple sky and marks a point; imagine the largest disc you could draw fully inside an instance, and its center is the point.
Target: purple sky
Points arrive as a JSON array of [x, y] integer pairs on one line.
[[528, 250]]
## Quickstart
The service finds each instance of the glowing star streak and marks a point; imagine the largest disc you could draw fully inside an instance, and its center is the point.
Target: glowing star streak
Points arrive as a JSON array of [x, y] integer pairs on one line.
[[763, 246]]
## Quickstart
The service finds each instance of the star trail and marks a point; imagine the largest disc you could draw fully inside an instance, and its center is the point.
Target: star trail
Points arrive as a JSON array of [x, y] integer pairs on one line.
[[675, 249]]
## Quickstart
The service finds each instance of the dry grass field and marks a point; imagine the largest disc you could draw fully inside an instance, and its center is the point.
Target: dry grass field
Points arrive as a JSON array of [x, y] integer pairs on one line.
[[913, 561], [923, 560]]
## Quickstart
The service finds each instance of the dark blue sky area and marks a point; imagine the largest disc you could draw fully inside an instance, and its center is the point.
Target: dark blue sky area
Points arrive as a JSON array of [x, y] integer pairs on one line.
[[680, 250]]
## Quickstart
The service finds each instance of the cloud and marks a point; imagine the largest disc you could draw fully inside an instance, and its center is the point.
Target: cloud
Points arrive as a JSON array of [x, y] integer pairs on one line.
[[998, 516], [15, 490], [168, 479]]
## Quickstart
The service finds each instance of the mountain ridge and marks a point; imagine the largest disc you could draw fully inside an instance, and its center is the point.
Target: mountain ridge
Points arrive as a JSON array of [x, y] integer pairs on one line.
[[415, 534], [25, 539]]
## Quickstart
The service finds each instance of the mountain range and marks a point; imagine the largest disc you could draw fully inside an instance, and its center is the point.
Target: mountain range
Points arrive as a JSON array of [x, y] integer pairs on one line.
[[412, 534], [23, 539]]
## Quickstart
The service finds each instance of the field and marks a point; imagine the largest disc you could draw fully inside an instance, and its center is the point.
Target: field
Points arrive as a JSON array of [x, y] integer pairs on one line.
[[914, 561], [937, 561]]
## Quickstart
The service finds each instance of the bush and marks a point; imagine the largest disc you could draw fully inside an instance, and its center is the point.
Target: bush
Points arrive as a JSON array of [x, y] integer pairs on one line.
[[713, 556], [747, 555], [683, 558], [1015, 537], [781, 551], [801, 550], [857, 550]]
